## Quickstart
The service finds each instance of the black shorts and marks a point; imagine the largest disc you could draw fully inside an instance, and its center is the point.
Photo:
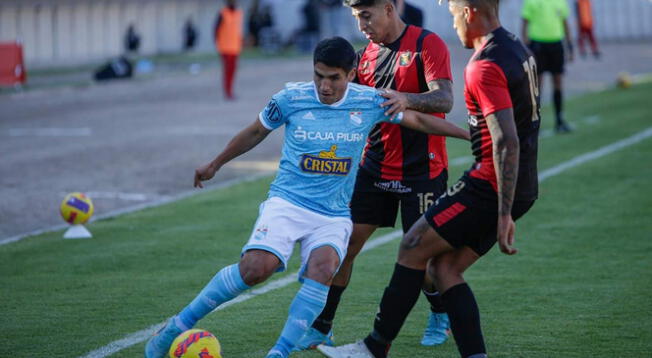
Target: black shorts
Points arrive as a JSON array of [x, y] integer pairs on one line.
[[549, 56], [376, 201], [461, 219]]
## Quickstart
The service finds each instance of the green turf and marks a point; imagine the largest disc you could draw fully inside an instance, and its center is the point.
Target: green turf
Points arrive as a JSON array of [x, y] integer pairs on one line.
[[579, 287]]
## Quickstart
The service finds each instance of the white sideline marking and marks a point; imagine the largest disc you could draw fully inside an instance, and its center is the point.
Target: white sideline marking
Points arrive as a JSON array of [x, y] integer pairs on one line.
[[595, 154], [141, 336]]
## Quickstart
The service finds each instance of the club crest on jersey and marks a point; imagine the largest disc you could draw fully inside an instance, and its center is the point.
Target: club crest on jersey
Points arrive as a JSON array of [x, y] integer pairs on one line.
[[356, 117], [405, 58], [326, 163]]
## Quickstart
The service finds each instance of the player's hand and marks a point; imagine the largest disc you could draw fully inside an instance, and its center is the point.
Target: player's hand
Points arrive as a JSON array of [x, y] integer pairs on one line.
[[203, 173], [396, 101], [506, 229]]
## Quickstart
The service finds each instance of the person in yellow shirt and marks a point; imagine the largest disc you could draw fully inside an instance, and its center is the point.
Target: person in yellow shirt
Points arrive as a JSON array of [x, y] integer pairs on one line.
[[228, 41], [545, 30], [585, 27]]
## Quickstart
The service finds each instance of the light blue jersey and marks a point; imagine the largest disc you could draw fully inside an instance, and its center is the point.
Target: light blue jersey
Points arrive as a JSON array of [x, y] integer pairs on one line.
[[323, 144]]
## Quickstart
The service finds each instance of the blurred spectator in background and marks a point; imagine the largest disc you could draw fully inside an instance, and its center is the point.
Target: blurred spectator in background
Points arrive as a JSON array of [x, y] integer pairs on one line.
[[132, 40], [585, 27], [410, 14], [260, 16], [308, 34], [545, 28], [335, 20], [228, 40], [189, 35]]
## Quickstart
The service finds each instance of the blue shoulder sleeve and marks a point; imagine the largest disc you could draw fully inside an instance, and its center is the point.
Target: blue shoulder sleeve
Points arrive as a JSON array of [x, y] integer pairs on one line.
[[381, 117], [275, 113]]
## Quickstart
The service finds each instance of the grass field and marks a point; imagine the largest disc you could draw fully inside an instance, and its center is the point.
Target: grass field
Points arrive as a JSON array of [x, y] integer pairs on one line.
[[580, 286]]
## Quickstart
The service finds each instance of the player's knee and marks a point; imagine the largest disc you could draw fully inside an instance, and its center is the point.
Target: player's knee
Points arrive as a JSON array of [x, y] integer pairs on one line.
[[257, 268], [322, 270]]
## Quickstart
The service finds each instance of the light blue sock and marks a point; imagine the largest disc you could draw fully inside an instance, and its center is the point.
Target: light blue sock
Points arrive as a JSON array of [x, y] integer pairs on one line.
[[306, 306], [224, 286]]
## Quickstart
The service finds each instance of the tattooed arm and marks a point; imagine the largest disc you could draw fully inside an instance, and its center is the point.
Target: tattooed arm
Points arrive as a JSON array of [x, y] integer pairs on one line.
[[439, 99], [505, 154]]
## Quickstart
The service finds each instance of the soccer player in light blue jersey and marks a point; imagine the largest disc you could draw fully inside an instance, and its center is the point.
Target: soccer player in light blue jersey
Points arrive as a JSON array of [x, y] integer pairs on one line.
[[327, 122]]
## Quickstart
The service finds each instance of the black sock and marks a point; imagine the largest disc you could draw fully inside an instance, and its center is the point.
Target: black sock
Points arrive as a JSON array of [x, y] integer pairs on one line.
[[399, 298], [436, 303], [557, 99], [378, 349], [324, 321], [464, 316]]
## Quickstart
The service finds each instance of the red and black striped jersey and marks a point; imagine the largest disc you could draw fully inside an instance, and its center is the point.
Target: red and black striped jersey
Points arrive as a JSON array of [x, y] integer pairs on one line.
[[416, 58], [500, 75]]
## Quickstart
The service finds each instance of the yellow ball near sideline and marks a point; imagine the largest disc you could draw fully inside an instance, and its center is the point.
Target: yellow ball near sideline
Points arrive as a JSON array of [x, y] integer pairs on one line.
[[76, 208], [196, 343]]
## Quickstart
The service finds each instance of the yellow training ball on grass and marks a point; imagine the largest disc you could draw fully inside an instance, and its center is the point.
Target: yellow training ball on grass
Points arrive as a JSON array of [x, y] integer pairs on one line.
[[196, 343], [76, 208], [624, 80]]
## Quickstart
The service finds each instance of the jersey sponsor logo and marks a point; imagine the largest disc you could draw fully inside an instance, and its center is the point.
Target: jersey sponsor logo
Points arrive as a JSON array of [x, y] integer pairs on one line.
[[405, 58], [326, 163], [356, 117], [393, 186], [273, 112], [302, 135]]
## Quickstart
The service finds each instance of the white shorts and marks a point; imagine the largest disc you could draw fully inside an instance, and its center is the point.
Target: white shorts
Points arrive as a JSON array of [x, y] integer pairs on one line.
[[281, 224]]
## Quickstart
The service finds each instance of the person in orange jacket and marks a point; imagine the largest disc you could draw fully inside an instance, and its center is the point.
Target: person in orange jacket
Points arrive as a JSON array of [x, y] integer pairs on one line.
[[585, 25], [228, 41]]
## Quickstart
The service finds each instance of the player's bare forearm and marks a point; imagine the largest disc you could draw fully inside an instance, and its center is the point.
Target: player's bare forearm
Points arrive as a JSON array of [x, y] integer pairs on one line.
[[439, 99], [241, 143], [506, 155], [433, 125]]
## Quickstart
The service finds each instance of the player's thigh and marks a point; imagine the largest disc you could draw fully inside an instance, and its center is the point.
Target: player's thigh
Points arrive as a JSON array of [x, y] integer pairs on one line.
[[420, 244], [360, 235], [422, 195], [372, 203]]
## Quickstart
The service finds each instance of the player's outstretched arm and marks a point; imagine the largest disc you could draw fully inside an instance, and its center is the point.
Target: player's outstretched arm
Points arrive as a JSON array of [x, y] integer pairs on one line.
[[433, 125], [438, 99], [241, 143], [502, 129]]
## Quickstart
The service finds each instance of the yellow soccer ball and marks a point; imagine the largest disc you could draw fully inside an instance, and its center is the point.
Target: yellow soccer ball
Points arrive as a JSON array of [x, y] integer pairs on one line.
[[196, 343], [76, 208], [624, 80]]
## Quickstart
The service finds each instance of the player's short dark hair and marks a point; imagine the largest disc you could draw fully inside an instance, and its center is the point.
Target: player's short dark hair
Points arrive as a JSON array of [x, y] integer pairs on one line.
[[335, 52], [353, 3], [492, 4]]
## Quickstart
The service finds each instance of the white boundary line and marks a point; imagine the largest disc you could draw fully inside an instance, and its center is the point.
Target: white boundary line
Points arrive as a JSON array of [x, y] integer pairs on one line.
[[142, 335]]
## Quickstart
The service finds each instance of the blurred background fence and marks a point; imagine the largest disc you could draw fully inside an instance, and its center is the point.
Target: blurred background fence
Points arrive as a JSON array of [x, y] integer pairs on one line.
[[70, 32]]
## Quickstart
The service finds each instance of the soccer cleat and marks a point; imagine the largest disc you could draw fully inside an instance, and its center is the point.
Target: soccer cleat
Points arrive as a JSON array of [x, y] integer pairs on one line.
[[275, 354], [159, 345], [436, 332], [353, 350], [313, 338]]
